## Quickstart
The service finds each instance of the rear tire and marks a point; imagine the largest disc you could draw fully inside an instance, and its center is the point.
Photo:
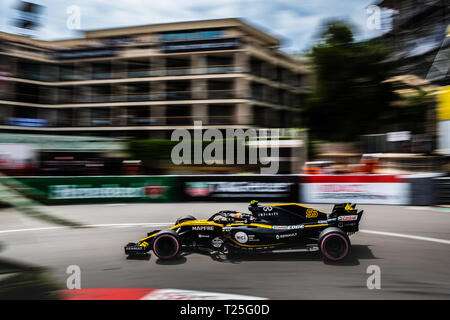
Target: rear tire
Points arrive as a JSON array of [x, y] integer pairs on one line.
[[166, 245], [334, 244], [184, 219]]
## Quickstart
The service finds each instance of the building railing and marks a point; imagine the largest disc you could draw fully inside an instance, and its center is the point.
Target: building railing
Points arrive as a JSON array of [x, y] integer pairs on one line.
[[290, 81], [115, 121], [117, 97], [123, 74]]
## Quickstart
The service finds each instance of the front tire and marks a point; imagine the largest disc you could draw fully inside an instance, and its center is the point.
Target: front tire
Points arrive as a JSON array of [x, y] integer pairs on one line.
[[184, 219], [334, 244], [166, 245]]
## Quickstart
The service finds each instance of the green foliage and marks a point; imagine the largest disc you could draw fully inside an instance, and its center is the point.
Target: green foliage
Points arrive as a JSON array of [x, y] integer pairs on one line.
[[151, 149], [312, 147], [350, 97]]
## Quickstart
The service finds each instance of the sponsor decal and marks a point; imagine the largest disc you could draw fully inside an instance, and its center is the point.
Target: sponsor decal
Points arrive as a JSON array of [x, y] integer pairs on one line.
[[311, 213], [348, 207], [241, 237], [154, 192], [198, 189], [203, 228], [368, 189], [104, 191], [203, 235], [348, 218], [341, 188], [287, 235], [322, 221], [251, 238], [217, 242], [238, 189], [300, 226], [252, 186], [267, 214]]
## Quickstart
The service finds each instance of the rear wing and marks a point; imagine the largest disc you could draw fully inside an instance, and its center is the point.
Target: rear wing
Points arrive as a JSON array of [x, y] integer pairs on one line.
[[347, 216]]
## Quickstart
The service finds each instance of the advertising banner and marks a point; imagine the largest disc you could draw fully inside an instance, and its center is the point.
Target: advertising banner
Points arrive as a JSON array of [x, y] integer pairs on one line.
[[264, 188], [363, 189], [103, 189]]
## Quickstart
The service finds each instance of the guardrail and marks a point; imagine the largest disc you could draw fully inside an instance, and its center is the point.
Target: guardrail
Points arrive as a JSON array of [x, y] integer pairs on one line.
[[362, 189]]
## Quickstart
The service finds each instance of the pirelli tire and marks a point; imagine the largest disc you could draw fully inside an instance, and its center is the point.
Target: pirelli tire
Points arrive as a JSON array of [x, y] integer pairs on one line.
[[184, 219], [166, 245], [334, 244]]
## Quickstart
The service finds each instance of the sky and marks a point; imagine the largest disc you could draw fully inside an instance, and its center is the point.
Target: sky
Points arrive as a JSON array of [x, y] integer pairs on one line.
[[296, 22]]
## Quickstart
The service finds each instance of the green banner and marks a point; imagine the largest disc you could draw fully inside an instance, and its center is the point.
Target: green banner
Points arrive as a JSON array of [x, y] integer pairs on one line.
[[103, 189]]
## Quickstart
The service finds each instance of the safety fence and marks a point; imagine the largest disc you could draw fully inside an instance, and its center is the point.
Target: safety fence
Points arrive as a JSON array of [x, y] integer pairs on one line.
[[362, 189]]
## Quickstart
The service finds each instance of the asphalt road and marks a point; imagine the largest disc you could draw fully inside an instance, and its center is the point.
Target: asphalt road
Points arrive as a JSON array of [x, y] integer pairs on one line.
[[410, 268]]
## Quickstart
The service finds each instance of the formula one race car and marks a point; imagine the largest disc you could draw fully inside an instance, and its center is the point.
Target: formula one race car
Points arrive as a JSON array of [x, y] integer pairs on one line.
[[272, 227]]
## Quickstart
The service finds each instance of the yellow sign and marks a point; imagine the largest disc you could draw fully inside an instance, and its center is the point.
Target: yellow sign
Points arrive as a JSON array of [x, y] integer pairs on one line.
[[444, 103]]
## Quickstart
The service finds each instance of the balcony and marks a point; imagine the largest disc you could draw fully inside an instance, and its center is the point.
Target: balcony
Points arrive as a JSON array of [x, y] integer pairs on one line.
[[123, 74], [220, 120], [77, 98], [221, 94]]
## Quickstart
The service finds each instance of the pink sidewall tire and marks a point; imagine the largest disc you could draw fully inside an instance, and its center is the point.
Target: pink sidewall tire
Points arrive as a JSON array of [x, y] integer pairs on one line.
[[166, 245], [334, 244]]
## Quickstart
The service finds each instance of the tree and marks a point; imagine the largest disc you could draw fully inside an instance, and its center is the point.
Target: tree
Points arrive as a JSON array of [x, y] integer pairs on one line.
[[350, 97]]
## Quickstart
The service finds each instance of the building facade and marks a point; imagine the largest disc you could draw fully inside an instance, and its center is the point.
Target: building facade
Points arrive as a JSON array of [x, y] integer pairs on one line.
[[418, 38], [146, 81]]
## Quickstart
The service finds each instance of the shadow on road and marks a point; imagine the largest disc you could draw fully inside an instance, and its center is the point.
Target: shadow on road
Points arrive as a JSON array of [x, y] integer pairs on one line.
[[139, 257], [179, 260], [357, 252]]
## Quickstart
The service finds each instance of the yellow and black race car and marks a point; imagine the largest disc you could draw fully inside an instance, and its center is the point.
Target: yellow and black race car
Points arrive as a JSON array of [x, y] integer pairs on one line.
[[272, 227]]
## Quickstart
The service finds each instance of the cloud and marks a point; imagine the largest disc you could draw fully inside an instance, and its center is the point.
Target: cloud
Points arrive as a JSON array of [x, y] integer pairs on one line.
[[293, 20]]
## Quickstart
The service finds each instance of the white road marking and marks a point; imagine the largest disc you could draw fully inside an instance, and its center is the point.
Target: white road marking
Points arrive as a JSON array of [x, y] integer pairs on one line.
[[434, 209], [31, 229], [154, 224], [164, 224], [90, 226], [418, 208], [401, 235]]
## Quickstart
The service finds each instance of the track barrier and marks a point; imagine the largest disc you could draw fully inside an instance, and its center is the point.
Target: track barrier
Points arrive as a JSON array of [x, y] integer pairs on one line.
[[29, 192]]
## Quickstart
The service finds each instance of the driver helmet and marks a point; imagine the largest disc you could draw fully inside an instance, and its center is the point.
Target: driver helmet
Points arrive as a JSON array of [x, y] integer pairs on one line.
[[253, 207]]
